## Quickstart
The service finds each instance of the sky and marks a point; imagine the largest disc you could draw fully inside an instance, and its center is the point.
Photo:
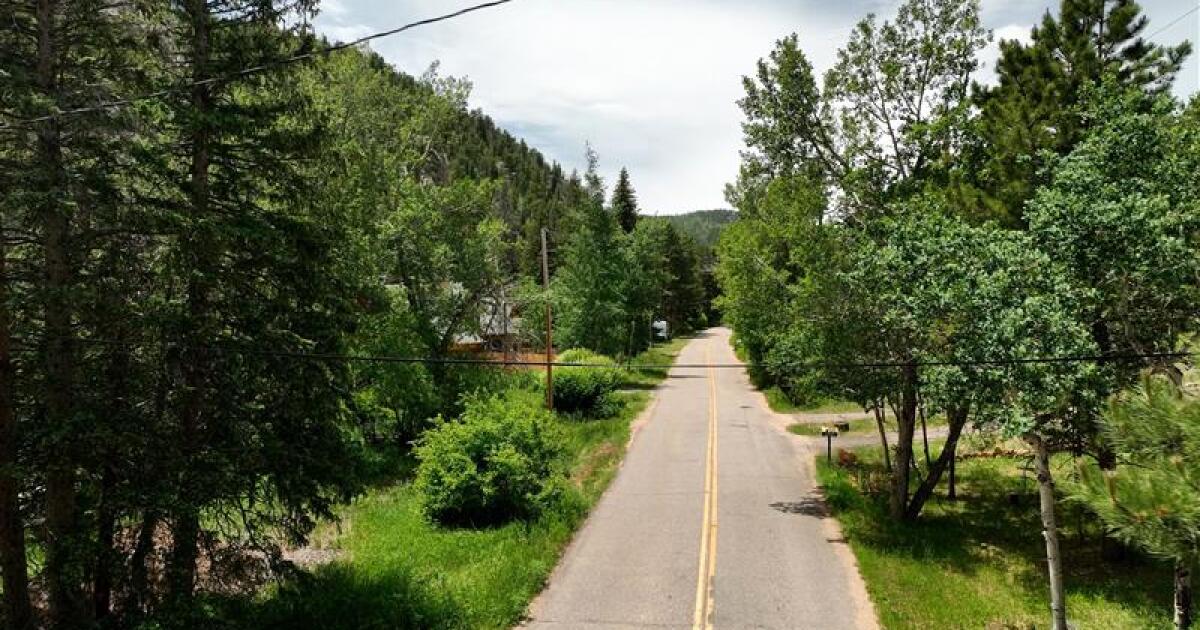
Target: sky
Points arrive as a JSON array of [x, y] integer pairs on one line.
[[652, 84]]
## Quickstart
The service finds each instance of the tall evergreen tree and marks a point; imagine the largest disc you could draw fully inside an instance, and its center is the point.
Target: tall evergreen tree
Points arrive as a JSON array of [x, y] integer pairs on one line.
[[1153, 500], [13, 563], [1035, 105], [17, 609], [589, 289], [624, 202], [247, 264], [683, 305], [60, 177]]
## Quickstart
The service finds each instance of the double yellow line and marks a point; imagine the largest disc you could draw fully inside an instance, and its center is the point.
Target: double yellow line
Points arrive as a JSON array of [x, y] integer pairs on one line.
[[702, 619]]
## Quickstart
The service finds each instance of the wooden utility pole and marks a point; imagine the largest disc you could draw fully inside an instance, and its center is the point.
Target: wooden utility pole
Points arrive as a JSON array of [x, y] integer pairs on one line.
[[549, 326]]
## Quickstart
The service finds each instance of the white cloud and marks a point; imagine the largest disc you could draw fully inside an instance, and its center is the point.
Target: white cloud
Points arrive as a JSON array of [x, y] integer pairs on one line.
[[345, 32], [652, 85], [986, 74], [334, 8]]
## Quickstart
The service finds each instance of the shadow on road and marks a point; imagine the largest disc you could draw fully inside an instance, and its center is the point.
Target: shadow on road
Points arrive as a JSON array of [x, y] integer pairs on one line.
[[808, 506]]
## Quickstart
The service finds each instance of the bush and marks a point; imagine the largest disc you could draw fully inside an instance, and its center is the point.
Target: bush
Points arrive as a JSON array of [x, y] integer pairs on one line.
[[585, 389], [502, 460], [462, 382]]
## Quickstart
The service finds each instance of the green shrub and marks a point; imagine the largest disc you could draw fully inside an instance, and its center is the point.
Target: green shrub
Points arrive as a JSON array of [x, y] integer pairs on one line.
[[502, 460], [462, 382], [583, 389]]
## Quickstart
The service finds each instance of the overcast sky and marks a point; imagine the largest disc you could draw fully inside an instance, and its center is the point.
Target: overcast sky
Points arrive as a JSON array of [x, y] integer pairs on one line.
[[652, 84]]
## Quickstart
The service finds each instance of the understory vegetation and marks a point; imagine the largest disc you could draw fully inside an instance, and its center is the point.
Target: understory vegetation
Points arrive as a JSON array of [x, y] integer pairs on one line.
[[1013, 257], [780, 401], [971, 563], [395, 567], [501, 461], [587, 387]]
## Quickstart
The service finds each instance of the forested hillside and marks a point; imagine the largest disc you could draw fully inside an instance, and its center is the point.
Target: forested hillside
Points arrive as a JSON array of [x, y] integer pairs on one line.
[[229, 298], [703, 226]]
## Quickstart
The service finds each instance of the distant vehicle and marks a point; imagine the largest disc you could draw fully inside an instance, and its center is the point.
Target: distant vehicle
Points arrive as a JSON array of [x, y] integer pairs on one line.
[[661, 329]]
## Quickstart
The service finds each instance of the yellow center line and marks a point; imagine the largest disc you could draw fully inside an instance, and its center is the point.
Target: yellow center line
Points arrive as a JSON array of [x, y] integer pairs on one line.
[[702, 620]]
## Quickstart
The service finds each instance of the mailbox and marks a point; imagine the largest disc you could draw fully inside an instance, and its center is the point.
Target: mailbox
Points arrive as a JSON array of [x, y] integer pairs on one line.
[[829, 433]]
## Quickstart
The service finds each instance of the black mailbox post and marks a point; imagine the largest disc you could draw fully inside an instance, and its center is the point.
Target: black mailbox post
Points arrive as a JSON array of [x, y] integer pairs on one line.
[[829, 433]]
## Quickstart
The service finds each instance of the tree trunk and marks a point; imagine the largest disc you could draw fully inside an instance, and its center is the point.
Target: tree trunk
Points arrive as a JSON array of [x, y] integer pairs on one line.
[[1172, 372], [107, 510], [185, 526], [138, 598], [13, 564], [951, 490], [1058, 607], [958, 420], [106, 556], [63, 572], [1183, 596], [887, 453], [185, 550], [924, 434], [906, 424]]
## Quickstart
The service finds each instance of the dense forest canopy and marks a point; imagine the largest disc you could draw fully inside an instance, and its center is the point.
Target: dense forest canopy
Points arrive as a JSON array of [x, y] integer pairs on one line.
[[185, 278], [923, 245], [703, 226], [231, 299]]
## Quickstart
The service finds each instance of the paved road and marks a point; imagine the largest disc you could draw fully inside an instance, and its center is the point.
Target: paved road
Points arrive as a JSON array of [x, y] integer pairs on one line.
[[712, 522]]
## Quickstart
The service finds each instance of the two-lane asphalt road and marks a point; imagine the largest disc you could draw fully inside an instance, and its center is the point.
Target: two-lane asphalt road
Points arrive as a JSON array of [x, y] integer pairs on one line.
[[712, 522]]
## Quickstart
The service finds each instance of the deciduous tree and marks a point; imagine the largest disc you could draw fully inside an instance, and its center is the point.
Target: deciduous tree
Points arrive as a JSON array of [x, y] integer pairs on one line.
[[884, 114]]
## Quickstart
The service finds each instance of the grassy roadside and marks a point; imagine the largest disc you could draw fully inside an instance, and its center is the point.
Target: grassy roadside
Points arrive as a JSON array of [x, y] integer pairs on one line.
[[811, 429], [396, 570], [657, 355], [979, 562], [862, 426], [779, 403]]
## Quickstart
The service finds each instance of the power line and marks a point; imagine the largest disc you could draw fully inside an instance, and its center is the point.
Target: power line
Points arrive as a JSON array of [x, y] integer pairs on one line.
[[1175, 21], [340, 357], [245, 72]]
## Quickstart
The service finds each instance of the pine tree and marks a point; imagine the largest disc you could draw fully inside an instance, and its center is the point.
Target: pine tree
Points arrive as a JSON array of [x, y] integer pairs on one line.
[[1153, 500], [589, 290], [684, 304], [13, 563], [1035, 105], [624, 202], [247, 264], [60, 176], [17, 609]]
